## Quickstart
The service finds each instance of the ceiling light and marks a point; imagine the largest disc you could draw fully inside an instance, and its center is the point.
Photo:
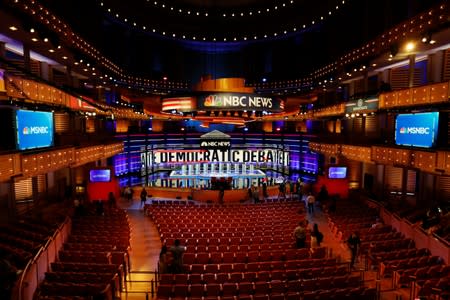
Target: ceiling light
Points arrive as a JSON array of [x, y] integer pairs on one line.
[[64, 57], [75, 63], [34, 39], [432, 42], [13, 28], [32, 30], [51, 50], [410, 46], [46, 40]]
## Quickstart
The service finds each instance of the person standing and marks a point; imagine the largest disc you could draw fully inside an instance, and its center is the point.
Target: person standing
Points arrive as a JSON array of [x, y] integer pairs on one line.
[[163, 268], [291, 189], [282, 190], [143, 197], [264, 189], [255, 194], [221, 194], [310, 200], [354, 243], [128, 194], [316, 236], [177, 254], [300, 235]]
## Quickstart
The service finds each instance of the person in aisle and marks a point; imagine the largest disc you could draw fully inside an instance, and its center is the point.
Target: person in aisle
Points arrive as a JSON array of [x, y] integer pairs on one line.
[[128, 194], [143, 197], [310, 200], [300, 235], [177, 251], [353, 243]]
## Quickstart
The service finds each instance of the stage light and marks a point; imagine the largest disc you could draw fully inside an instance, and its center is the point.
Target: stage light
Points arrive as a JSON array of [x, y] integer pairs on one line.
[[245, 128], [264, 79]]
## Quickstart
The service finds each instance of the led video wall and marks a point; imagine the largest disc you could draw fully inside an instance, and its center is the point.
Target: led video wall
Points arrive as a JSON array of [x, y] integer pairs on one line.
[[151, 159]]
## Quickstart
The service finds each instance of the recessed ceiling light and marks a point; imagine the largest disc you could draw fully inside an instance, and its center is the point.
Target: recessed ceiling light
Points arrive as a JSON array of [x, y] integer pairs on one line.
[[34, 39], [64, 57], [51, 50], [46, 40], [75, 63], [32, 30], [13, 28]]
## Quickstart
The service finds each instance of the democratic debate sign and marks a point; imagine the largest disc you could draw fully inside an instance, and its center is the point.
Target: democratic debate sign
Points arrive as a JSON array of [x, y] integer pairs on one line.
[[34, 129], [418, 129], [361, 105], [271, 156], [239, 101]]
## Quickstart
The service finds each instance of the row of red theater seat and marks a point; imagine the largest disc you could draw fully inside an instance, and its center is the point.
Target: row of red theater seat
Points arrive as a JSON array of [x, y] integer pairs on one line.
[[387, 267], [391, 245], [99, 239], [242, 248], [405, 276], [438, 287], [273, 243], [85, 256], [47, 297], [286, 274], [96, 290], [90, 265], [19, 242], [358, 293], [257, 266], [83, 277], [363, 232], [374, 258], [25, 233], [20, 257], [187, 225], [246, 256], [216, 232], [101, 233], [256, 288]]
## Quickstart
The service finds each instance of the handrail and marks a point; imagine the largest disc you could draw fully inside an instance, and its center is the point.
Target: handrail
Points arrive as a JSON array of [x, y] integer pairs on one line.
[[21, 282]]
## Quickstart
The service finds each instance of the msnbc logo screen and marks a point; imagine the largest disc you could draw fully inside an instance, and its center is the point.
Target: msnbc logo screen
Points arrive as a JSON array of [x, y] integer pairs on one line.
[[34, 129], [419, 130]]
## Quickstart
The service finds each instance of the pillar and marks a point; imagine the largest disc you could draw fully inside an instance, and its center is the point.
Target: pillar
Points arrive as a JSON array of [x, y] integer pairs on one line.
[[26, 58], [412, 63]]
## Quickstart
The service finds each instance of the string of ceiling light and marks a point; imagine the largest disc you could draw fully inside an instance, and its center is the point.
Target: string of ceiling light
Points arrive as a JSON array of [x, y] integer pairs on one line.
[[188, 36], [208, 13], [414, 27]]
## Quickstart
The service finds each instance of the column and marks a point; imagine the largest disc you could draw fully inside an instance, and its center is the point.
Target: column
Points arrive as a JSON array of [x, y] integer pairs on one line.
[[26, 58], [412, 63]]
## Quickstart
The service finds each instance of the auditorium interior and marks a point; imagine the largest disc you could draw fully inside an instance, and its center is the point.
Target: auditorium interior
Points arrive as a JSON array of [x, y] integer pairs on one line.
[[294, 149]]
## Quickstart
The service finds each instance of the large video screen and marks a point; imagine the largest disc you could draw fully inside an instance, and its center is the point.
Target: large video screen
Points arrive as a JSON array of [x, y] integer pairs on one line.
[[100, 175], [418, 130], [337, 172], [34, 129]]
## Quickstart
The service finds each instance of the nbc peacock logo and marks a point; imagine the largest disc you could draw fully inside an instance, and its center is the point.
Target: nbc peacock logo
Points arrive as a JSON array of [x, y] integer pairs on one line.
[[25, 130], [402, 130], [213, 100]]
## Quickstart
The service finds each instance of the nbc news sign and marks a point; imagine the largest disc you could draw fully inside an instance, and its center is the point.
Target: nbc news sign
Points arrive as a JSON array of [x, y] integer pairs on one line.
[[239, 101]]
